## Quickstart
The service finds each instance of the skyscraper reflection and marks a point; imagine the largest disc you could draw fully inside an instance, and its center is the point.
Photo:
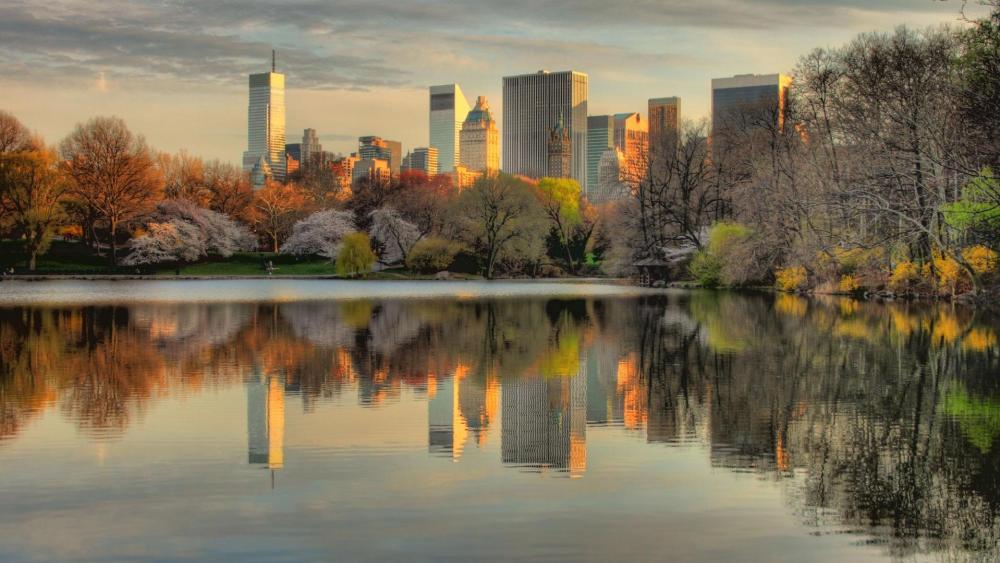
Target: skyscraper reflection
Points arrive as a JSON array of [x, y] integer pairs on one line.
[[545, 423], [265, 421]]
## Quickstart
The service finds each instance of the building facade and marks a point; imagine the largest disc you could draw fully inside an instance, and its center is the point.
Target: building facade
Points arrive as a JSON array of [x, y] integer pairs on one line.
[[609, 186], [480, 139], [632, 139], [531, 104], [448, 109], [310, 147], [747, 98], [664, 116], [372, 147], [560, 151], [266, 125], [424, 159], [600, 137], [370, 169]]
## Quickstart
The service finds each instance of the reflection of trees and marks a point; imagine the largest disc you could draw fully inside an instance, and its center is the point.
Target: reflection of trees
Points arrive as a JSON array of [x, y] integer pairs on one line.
[[883, 413]]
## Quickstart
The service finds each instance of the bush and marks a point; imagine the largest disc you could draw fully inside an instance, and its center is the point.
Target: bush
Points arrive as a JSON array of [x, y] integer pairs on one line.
[[848, 284], [982, 259], [726, 259], [356, 256], [432, 255], [791, 278], [904, 276], [706, 269]]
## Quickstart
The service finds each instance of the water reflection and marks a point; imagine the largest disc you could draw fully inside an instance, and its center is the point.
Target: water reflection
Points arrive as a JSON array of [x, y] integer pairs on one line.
[[879, 419]]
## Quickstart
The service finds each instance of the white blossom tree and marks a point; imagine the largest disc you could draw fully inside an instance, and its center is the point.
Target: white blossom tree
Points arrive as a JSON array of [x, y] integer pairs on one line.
[[174, 241], [223, 235], [395, 235], [320, 233]]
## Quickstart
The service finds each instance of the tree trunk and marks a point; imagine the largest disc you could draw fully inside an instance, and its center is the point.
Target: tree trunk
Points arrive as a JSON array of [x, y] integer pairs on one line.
[[114, 243]]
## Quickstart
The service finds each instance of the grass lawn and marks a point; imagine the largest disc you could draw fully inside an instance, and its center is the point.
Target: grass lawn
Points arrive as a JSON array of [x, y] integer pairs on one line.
[[75, 258]]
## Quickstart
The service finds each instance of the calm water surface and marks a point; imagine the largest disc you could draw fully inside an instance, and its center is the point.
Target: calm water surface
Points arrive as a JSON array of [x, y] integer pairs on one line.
[[319, 420]]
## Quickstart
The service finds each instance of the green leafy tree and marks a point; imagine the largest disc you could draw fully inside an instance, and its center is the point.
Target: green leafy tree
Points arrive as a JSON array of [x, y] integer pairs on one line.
[[499, 215], [560, 198], [356, 256]]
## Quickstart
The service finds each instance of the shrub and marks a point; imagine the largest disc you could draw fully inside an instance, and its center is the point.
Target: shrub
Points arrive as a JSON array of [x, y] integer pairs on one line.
[[904, 276], [432, 255], [848, 284], [706, 269], [791, 278], [356, 256], [981, 259], [949, 272]]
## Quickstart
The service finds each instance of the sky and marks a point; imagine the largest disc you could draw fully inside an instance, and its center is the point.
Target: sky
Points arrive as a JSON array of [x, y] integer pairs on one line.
[[175, 70]]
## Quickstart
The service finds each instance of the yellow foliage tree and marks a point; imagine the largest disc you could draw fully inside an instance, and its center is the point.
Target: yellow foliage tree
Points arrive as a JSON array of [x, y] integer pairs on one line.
[[791, 278]]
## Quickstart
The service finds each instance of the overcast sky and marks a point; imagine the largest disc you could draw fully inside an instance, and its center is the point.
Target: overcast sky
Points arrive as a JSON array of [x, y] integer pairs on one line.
[[176, 69]]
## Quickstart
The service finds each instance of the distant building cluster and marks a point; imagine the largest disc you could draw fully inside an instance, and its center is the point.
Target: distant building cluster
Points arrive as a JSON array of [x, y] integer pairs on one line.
[[546, 130]]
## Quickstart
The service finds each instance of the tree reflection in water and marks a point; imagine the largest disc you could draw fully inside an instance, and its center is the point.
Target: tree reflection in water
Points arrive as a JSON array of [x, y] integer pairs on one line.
[[884, 418]]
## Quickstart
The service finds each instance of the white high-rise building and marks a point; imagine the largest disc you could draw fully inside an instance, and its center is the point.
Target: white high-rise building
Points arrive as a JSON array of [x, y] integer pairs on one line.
[[266, 125], [532, 104], [448, 109]]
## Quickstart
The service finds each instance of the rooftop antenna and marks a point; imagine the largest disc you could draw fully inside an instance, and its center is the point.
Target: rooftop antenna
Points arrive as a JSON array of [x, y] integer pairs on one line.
[[274, 58]]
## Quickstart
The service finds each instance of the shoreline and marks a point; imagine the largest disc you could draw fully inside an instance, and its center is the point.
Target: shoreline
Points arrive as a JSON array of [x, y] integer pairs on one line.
[[133, 277]]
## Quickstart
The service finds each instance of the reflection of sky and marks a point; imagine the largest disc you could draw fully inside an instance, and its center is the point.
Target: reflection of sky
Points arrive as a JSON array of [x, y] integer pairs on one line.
[[359, 482]]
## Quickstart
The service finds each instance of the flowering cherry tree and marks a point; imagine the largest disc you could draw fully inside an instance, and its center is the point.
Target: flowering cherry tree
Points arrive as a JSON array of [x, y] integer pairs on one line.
[[321, 233], [180, 231], [395, 235]]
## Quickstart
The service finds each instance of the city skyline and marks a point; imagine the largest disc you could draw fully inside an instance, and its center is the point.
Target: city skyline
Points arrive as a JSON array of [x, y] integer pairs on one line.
[[65, 65]]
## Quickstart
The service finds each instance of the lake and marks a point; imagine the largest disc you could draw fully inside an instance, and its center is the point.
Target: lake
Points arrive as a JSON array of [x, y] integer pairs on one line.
[[331, 420]]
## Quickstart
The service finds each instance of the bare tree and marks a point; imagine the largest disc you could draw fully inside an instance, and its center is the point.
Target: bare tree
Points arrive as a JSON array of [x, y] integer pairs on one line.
[[113, 173]]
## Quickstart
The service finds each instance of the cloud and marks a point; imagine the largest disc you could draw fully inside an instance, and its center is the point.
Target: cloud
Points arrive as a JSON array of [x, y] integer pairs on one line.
[[360, 44]]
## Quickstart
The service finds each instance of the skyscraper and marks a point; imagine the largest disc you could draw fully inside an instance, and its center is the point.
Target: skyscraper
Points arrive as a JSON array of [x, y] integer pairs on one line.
[[310, 147], [632, 139], [736, 99], [373, 147], [424, 159], [664, 123], [448, 109], [480, 139], [560, 151], [266, 125], [600, 138], [532, 103]]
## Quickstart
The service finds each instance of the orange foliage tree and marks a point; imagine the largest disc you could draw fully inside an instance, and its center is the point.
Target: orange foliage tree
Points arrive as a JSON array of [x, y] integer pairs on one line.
[[275, 209]]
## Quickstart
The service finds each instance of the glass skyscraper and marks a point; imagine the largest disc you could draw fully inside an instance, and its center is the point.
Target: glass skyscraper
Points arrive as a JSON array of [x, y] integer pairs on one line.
[[532, 105], [448, 109], [733, 99], [266, 125], [600, 138]]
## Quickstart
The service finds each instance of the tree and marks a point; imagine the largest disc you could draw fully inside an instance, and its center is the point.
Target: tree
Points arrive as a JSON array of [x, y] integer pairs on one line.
[[560, 198], [112, 171], [221, 234], [497, 213], [424, 200], [355, 256], [393, 234], [173, 241], [321, 233], [229, 189], [274, 211], [31, 189], [14, 137], [184, 178]]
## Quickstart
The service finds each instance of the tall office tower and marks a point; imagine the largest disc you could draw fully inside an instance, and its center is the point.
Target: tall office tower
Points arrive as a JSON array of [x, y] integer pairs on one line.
[[664, 124], [600, 138], [448, 109], [531, 104], [424, 159], [560, 151], [609, 186], [266, 125], [371, 169], [372, 147], [746, 99], [310, 147], [632, 138], [480, 139]]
